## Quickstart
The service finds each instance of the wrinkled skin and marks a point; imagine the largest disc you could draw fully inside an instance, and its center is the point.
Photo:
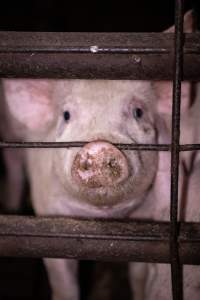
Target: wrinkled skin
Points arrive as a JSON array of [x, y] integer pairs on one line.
[[97, 180]]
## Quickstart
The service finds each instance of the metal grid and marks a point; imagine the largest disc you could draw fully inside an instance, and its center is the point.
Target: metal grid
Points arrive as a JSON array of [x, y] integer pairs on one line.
[[37, 237]]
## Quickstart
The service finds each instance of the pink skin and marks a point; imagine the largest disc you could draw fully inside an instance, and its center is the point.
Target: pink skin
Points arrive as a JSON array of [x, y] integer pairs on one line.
[[59, 186], [119, 181]]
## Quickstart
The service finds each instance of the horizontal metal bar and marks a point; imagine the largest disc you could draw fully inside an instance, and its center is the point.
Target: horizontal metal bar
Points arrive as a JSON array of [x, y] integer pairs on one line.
[[82, 49], [90, 42], [121, 146], [189, 147], [150, 147], [128, 240], [95, 55]]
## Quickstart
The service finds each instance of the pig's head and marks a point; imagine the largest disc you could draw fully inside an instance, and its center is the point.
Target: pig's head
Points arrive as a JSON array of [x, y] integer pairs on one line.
[[100, 112]]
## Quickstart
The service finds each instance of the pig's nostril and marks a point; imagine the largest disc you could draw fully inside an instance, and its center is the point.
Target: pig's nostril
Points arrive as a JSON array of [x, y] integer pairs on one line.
[[112, 168], [112, 163], [86, 164]]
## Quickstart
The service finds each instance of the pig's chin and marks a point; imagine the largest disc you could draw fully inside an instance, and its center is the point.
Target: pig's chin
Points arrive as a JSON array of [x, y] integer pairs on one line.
[[106, 196]]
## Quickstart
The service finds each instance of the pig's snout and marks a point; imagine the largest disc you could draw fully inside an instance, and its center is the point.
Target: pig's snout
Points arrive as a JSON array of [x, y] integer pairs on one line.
[[99, 164]]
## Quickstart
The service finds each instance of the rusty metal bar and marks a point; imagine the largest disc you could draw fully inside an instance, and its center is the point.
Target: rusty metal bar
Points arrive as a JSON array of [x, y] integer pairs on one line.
[[116, 240], [146, 147], [121, 146], [176, 267], [95, 55], [93, 42]]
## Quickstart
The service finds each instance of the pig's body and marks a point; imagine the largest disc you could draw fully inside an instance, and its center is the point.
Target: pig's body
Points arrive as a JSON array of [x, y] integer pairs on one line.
[[158, 283], [101, 112]]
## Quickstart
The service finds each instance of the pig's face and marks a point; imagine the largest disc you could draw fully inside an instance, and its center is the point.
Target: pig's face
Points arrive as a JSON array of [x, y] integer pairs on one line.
[[100, 112], [105, 112]]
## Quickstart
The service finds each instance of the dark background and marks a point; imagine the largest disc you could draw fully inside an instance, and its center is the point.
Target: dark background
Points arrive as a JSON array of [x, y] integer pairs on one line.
[[26, 279], [113, 15]]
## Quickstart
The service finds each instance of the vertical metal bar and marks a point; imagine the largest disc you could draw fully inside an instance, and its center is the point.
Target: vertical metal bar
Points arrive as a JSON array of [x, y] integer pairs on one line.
[[176, 268]]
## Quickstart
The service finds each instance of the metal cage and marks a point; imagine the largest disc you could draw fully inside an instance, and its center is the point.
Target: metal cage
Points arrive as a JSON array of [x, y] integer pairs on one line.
[[108, 56]]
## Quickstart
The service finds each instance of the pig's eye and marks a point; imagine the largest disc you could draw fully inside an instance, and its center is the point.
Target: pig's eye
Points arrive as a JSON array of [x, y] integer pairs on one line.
[[66, 115], [137, 113]]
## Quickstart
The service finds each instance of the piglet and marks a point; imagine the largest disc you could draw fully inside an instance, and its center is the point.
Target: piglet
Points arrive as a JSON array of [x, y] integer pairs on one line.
[[97, 180]]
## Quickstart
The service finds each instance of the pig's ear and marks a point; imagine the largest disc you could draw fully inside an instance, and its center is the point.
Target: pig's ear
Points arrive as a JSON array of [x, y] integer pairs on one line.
[[30, 101], [163, 92], [188, 24], [163, 89]]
